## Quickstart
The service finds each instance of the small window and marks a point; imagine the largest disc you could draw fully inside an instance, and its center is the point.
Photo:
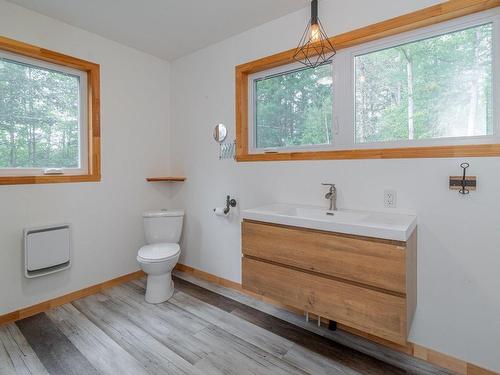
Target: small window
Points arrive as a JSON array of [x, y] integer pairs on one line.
[[293, 108], [439, 87], [43, 117]]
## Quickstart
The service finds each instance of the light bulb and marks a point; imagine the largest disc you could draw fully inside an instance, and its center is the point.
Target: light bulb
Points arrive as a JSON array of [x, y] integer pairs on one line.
[[315, 33]]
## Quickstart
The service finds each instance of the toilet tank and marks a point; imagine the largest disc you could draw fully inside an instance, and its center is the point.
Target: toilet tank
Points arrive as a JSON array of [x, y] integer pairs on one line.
[[163, 225]]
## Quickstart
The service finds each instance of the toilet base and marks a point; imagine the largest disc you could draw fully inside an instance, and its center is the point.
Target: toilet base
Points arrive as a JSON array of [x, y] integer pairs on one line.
[[159, 288]]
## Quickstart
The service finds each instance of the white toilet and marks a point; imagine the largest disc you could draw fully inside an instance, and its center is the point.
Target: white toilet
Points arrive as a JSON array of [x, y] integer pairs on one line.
[[163, 230]]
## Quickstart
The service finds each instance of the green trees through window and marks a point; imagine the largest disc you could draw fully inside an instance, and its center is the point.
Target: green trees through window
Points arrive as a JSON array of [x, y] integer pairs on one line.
[[39, 117], [433, 88], [438, 87], [294, 108]]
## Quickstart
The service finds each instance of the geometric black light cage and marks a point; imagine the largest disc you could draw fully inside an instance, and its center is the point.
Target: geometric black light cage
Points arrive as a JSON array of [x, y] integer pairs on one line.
[[314, 48]]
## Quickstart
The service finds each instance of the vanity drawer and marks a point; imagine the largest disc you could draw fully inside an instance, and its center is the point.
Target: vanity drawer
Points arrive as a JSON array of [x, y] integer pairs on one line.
[[376, 263], [371, 311]]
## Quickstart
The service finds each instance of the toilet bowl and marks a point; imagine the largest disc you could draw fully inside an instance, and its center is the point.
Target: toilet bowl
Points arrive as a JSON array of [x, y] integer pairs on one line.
[[158, 261], [163, 230]]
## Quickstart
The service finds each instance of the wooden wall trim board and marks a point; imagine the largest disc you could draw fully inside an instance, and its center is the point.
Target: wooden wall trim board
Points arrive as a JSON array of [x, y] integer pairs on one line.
[[94, 116], [67, 298], [431, 356], [425, 17]]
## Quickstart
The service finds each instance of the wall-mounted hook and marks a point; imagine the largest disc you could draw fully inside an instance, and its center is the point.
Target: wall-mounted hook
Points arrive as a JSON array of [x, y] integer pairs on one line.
[[464, 184], [464, 189]]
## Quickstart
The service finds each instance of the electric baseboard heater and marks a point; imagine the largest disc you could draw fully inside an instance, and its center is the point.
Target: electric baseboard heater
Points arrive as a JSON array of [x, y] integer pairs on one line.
[[47, 250]]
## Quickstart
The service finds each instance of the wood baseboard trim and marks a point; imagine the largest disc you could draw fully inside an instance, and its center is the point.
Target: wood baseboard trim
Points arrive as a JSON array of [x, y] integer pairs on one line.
[[230, 284], [209, 277], [67, 298], [439, 359]]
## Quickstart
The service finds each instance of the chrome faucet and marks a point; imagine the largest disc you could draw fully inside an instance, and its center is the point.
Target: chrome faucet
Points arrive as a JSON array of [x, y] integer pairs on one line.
[[332, 196]]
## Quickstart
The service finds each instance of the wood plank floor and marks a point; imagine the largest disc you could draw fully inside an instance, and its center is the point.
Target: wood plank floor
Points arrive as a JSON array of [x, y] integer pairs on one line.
[[198, 331]]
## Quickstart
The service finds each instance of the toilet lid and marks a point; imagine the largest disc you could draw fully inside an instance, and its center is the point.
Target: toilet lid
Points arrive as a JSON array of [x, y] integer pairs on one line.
[[158, 251]]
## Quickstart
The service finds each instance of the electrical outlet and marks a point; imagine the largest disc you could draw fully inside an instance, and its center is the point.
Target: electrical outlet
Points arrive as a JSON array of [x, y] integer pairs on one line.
[[390, 198]]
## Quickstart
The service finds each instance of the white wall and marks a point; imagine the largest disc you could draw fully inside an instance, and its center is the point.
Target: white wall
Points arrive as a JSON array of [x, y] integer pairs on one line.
[[106, 216], [458, 255]]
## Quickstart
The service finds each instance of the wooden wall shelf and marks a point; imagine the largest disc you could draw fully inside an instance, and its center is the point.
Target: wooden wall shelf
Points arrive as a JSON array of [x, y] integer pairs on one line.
[[166, 179]]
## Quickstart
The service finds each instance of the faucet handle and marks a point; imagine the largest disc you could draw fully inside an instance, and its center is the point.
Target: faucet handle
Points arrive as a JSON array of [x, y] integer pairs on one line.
[[332, 186]]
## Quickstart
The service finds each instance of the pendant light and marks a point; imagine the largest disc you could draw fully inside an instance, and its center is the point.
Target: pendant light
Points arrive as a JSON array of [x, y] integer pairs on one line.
[[314, 48]]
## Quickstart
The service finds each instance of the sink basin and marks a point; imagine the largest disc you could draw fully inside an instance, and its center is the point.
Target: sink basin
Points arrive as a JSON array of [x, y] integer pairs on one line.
[[388, 226]]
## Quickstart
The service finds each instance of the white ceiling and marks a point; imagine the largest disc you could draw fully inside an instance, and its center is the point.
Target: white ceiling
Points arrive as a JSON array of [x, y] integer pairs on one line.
[[165, 28]]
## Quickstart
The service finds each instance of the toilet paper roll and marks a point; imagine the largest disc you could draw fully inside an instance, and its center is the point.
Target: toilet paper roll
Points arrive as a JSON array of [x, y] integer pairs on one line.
[[219, 211]]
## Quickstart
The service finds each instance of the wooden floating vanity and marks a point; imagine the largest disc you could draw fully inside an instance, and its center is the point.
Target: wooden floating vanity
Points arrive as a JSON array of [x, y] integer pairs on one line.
[[362, 282]]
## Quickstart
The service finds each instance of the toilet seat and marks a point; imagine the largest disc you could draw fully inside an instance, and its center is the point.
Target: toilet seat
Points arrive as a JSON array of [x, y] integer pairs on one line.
[[158, 252]]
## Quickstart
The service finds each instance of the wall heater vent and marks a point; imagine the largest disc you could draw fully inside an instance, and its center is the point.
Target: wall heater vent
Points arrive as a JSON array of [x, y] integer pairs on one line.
[[47, 250]]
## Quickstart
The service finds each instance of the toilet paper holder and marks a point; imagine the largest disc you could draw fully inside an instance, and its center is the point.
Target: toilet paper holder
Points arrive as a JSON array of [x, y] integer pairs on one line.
[[230, 202]]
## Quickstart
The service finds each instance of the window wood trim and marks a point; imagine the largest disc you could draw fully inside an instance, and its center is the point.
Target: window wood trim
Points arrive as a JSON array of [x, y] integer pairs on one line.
[[425, 17], [93, 107]]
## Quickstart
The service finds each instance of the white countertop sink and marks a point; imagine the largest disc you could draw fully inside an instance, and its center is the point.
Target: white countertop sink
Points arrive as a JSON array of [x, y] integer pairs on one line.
[[388, 226]]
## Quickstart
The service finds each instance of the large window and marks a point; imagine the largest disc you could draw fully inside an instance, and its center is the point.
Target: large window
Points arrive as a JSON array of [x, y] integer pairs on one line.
[[49, 124], [431, 87]]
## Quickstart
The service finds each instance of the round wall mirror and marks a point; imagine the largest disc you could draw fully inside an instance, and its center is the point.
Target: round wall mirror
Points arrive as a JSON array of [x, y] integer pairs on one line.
[[220, 133]]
